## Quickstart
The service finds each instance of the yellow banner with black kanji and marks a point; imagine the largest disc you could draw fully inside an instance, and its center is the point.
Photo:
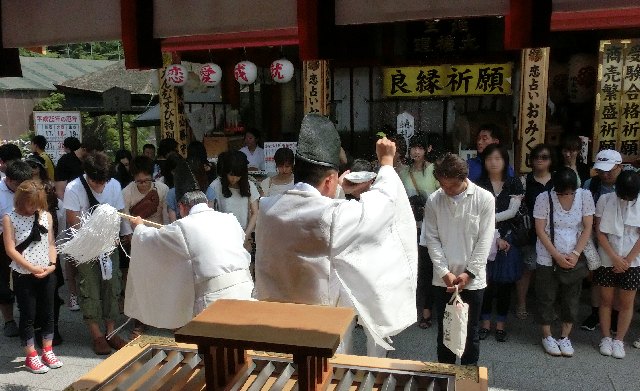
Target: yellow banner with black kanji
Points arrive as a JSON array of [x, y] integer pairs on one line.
[[617, 113], [447, 80]]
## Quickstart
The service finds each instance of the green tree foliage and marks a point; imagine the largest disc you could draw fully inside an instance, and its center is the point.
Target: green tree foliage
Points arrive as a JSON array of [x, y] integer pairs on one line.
[[110, 50]]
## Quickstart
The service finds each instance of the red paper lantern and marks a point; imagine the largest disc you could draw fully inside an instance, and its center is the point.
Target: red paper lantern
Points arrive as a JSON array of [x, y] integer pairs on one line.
[[281, 71], [176, 75], [210, 74], [245, 72]]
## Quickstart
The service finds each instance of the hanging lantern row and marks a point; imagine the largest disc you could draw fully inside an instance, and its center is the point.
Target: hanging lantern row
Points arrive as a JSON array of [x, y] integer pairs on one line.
[[245, 72]]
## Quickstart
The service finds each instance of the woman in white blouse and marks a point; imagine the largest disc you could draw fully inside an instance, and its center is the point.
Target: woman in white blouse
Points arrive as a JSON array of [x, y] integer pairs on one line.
[[618, 232], [563, 220], [234, 193], [283, 180]]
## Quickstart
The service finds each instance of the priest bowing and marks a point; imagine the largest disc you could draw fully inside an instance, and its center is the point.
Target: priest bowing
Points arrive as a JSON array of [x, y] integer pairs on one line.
[[180, 269]]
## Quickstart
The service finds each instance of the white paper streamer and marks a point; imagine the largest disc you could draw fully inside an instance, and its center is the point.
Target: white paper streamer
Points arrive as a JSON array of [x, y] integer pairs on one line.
[[95, 235]]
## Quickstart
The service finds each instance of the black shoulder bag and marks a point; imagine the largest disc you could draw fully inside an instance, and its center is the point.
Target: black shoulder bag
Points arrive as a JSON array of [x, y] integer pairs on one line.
[[34, 236], [92, 199]]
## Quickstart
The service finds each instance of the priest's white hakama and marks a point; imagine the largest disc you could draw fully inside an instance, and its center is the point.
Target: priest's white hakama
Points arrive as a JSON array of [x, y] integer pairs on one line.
[[178, 270], [313, 249]]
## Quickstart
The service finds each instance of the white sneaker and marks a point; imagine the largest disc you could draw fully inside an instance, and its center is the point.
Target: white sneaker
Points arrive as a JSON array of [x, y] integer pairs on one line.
[[565, 347], [618, 349], [550, 346], [606, 347], [73, 303]]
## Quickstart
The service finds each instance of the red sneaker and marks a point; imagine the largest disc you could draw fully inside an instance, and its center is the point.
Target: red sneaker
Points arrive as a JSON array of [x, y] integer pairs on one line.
[[49, 359], [33, 363]]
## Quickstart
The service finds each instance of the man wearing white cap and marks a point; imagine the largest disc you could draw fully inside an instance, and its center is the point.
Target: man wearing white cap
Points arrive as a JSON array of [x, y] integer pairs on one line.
[[608, 165]]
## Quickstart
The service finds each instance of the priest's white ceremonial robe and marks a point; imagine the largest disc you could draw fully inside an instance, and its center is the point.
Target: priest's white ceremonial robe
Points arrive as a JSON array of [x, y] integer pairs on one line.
[[178, 270], [313, 249]]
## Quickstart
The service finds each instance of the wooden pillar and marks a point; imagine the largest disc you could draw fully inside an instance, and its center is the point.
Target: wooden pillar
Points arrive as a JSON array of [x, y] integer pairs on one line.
[[141, 49], [317, 87], [173, 121], [134, 140], [9, 59], [527, 24]]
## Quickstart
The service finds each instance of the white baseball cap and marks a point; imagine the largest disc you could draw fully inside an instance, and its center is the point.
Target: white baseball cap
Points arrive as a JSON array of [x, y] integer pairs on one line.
[[607, 159]]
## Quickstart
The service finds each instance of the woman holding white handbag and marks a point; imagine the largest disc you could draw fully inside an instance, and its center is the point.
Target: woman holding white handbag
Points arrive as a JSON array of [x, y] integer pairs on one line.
[[617, 226], [563, 220]]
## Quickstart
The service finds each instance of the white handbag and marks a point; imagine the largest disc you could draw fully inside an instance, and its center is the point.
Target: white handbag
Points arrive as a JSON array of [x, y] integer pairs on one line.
[[454, 324], [591, 255]]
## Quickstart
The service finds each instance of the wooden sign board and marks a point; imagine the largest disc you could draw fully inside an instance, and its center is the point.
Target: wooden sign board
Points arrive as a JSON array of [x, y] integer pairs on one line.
[[533, 103]]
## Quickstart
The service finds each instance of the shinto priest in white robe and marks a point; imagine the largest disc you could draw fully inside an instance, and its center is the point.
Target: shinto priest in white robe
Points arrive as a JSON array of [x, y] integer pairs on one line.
[[178, 270], [313, 249]]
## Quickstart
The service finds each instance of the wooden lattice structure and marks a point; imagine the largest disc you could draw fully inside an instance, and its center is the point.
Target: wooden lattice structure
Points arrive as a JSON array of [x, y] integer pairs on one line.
[[252, 346]]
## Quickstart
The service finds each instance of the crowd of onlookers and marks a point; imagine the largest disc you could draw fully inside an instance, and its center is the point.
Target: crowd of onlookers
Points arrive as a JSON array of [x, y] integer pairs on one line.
[[555, 227], [40, 199]]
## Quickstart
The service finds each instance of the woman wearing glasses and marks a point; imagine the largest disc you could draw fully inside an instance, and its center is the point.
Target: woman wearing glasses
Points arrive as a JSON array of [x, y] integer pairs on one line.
[[563, 221], [536, 182], [143, 197]]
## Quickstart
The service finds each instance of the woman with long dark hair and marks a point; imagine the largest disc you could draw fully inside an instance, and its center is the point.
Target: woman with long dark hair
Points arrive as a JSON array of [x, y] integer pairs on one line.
[[234, 193], [122, 168], [505, 270], [419, 182], [536, 182]]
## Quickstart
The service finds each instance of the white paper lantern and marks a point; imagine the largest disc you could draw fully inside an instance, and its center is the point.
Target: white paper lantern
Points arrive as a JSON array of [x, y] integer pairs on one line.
[[245, 72], [210, 74], [281, 71], [176, 75]]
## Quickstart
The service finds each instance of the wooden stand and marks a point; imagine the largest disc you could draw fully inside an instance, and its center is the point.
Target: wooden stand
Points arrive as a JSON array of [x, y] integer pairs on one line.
[[227, 328]]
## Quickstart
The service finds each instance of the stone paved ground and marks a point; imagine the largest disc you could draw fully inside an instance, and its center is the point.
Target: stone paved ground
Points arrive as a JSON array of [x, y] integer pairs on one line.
[[519, 364]]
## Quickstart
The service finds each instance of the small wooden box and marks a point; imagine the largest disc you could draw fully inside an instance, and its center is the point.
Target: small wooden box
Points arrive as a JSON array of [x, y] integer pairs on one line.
[[215, 145]]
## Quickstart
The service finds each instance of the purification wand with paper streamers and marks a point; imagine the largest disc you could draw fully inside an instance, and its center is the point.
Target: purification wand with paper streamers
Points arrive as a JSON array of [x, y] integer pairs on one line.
[[97, 234]]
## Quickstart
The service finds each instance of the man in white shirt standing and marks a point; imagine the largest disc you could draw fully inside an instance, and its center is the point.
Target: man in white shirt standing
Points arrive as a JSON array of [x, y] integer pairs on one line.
[[99, 281], [458, 228], [255, 154]]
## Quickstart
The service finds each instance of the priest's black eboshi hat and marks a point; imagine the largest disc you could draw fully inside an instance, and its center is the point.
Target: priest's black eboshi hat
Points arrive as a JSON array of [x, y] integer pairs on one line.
[[319, 142], [183, 179]]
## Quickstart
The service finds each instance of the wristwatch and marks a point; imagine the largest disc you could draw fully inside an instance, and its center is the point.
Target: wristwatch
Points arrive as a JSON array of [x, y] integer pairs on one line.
[[574, 252], [470, 274]]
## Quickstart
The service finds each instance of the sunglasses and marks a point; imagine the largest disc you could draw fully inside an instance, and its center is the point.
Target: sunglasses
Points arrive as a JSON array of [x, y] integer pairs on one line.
[[542, 157]]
